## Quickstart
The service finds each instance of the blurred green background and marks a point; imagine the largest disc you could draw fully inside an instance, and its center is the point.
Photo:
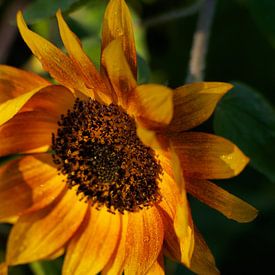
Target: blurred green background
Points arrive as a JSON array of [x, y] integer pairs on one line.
[[241, 51]]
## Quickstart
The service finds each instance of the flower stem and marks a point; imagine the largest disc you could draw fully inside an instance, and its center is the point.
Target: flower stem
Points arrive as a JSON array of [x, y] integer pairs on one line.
[[200, 42], [172, 15]]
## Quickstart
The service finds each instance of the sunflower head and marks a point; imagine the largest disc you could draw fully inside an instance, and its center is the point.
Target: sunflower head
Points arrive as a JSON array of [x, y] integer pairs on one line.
[[105, 163]]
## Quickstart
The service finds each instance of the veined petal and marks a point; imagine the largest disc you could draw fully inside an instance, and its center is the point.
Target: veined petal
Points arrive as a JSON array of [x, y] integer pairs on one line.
[[117, 24], [152, 105], [144, 240], [73, 46], [92, 246], [32, 128], [221, 200], [119, 72], [208, 156], [29, 183], [39, 234], [53, 60], [117, 261], [194, 103], [15, 82], [202, 262]]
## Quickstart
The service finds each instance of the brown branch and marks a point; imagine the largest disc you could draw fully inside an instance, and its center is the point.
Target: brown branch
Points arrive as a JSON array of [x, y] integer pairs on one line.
[[200, 42]]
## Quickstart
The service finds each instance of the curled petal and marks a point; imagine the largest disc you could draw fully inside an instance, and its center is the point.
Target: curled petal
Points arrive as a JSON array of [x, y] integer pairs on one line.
[[119, 72], [152, 105], [15, 82], [53, 60], [29, 183], [194, 103], [73, 46], [207, 156], [94, 243], [117, 25], [202, 262], [221, 200], [39, 234]]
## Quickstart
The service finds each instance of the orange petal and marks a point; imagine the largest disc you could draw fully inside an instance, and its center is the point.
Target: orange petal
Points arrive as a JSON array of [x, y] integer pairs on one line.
[[202, 261], [118, 72], [32, 128], [117, 261], [144, 240], [27, 131], [158, 267], [208, 156], [15, 82], [53, 60], [117, 24], [11, 107], [37, 235], [3, 269], [194, 103], [93, 245], [73, 46], [221, 200], [152, 105], [182, 221], [28, 183]]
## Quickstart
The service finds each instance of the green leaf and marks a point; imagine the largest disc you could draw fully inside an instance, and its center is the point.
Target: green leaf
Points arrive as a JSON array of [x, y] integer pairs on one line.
[[246, 118], [53, 267], [41, 9], [263, 12], [143, 70]]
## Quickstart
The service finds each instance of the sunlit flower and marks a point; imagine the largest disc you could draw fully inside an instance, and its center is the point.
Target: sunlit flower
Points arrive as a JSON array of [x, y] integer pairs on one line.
[[105, 163]]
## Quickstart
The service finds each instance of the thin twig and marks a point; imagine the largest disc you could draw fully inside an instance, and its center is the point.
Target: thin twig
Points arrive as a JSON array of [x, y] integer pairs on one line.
[[172, 15], [7, 30], [200, 42]]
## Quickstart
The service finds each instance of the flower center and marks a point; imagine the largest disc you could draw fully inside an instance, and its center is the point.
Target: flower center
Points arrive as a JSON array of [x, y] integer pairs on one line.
[[98, 150]]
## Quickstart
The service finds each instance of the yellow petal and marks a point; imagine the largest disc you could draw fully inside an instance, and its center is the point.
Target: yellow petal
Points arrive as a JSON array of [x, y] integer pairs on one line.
[[39, 234], [117, 25], [202, 262], [208, 156], [152, 105], [11, 107], [83, 63], [119, 72], [15, 82], [32, 127], [221, 200], [158, 267], [144, 240], [28, 184], [117, 261], [194, 103], [94, 243], [53, 60]]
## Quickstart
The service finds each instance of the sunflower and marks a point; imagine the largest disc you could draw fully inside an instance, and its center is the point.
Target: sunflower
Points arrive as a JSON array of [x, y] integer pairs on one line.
[[104, 164]]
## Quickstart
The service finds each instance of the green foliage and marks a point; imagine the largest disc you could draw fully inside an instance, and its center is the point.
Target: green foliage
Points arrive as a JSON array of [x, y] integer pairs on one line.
[[41, 9], [143, 70], [263, 12], [245, 117], [53, 267]]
